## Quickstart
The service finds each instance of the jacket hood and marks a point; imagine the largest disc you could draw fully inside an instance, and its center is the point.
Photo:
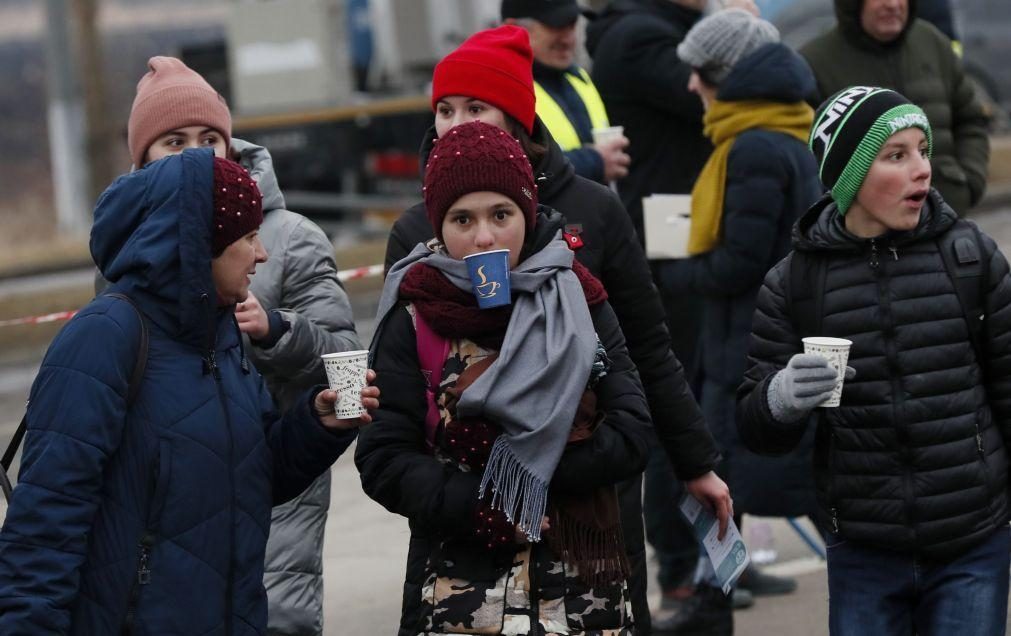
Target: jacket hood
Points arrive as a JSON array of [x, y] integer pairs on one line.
[[551, 174], [822, 229], [772, 72], [847, 13], [663, 9], [257, 160], [151, 239]]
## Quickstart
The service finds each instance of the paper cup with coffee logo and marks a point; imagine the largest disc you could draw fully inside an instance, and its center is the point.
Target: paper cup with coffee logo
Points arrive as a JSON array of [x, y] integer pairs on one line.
[[489, 275], [346, 374], [837, 352]]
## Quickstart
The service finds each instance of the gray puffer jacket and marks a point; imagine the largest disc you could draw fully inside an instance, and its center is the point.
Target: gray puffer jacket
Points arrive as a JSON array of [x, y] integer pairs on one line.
[[299, 281]]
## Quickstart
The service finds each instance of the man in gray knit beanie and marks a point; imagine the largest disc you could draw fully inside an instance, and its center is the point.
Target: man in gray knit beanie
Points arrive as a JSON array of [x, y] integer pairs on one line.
[[718, 41]]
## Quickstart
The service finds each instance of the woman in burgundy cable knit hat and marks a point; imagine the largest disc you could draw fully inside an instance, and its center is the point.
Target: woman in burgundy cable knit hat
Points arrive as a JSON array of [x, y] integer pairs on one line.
[[153, 452], [296, 310], [507, 428]]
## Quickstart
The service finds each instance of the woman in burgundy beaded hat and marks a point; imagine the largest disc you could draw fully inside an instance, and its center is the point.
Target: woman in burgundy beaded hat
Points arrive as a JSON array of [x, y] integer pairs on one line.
[[153, 451], [536, 412]]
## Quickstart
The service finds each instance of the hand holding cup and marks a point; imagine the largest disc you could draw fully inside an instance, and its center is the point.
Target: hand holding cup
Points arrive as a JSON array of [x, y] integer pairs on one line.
[[328, 400]]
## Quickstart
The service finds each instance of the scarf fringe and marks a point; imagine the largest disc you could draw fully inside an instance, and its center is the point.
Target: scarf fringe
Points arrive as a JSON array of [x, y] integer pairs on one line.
[[515, 490], [598, 554]]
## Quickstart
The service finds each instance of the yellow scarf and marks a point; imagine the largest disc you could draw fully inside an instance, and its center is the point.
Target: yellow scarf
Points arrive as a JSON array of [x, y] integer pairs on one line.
[[722, 123]]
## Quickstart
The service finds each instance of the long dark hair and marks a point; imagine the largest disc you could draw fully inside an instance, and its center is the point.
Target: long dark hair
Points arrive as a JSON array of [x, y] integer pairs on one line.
[[535, 152]]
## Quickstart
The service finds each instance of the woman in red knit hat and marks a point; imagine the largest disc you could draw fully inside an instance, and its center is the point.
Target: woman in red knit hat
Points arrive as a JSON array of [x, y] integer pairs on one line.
[[489, 78], [506, 428]]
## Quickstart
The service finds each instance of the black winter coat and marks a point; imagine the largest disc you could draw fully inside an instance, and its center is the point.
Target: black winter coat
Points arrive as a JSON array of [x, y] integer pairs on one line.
[[612, 253], [772, 179], [644, 84], [915, 459], [440, 501]]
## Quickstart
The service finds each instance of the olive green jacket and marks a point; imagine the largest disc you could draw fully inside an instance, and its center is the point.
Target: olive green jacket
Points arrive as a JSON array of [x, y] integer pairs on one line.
[[921, 65]]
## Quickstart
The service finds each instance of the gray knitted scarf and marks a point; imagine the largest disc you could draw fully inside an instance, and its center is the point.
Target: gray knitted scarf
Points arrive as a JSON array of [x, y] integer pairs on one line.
[[534, 386]]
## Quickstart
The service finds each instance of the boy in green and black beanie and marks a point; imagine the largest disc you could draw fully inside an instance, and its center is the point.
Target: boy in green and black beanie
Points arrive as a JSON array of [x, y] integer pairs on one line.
[[912, 467]]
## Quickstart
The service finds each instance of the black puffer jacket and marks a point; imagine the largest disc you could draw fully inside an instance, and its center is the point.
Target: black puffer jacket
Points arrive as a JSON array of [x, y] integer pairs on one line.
[[915, 459], [612, 253]]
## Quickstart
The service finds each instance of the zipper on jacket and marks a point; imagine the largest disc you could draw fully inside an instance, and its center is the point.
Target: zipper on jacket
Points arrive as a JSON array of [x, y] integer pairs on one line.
[[894, 250], [216, 372], [535, 596], [835, 521], [874, 262], [894, 371], [143, 578], [979, 439]]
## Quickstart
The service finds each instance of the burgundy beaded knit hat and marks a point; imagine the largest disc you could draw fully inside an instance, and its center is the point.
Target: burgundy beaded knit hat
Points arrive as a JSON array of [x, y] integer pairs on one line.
[[477, 157], [238, 205]]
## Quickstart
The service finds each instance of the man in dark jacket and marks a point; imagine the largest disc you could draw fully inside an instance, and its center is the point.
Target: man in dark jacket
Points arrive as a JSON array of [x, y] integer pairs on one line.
[[912, 467], [600, 231], [882, 43]]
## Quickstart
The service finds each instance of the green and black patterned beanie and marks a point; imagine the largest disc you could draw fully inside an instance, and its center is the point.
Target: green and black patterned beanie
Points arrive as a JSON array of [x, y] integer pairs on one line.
[[848, 131]]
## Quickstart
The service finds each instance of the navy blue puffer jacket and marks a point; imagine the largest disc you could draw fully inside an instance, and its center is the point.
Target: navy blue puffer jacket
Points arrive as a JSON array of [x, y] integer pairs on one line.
[[152, 516], [772, 179]]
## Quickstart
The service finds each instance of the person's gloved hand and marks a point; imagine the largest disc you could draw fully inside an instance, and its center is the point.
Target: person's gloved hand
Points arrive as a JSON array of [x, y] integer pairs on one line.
[[806, 382]]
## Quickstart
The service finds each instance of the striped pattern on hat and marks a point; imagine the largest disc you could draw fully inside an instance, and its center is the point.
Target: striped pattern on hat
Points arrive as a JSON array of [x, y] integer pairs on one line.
[[849, 130]]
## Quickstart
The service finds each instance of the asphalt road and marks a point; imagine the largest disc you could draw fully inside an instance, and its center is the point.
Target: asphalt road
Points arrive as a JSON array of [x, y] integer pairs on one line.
[[366, 546]]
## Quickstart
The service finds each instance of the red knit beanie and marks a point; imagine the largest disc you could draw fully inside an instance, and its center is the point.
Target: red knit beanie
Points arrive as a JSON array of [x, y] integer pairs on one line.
[[477, 157], [238, 205], [495, 66], [172, 96]]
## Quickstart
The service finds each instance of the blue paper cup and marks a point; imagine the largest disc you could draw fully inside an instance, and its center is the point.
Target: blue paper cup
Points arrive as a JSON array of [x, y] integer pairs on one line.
[[489, 275]]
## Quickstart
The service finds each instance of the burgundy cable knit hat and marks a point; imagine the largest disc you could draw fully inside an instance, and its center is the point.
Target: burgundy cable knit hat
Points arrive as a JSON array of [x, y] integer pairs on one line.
[[238, 205], [477, 157], [495, 66], [171, 95]]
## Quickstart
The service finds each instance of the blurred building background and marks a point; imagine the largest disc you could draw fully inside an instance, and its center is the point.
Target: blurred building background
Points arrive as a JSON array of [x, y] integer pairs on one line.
[[335, 88]]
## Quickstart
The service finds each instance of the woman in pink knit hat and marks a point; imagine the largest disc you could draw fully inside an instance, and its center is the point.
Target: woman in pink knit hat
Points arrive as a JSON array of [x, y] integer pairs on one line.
[[295, 312]]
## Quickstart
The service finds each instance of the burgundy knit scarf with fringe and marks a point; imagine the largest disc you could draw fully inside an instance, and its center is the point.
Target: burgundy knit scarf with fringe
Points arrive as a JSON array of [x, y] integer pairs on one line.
[[585, 528]]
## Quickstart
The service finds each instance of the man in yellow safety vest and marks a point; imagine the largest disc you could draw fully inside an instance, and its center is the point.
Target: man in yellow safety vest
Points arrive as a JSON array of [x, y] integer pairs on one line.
[[567, 101]]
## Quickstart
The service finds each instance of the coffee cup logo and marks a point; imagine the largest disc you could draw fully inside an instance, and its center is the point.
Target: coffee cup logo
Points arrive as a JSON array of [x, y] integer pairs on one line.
[[486, 289]]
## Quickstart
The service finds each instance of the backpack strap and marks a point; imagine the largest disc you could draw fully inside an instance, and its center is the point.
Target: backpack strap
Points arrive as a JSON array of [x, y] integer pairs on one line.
[[132, 389], [805, 292], [961, 249], [433, 350]]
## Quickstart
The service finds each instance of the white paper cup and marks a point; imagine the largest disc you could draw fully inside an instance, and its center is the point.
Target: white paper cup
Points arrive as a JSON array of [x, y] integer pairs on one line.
[[346, 373], [602, 135], [837, 352]]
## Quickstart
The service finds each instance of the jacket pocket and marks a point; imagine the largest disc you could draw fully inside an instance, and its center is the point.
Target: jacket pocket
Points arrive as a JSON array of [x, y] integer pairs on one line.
[[162, 476]]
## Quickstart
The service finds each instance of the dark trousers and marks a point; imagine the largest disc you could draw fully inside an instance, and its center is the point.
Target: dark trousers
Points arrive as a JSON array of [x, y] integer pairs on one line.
[[891, 594]]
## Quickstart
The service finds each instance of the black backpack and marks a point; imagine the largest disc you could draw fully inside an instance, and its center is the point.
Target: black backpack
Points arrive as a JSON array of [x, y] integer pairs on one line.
[[134, 386], [961, 249]]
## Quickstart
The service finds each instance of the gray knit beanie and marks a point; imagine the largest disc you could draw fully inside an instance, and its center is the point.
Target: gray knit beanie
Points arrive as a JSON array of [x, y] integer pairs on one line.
[[718, 41]]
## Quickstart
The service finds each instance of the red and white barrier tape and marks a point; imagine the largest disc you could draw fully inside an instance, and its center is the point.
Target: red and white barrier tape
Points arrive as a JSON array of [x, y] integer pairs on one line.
[[345, 275], [37, 320]]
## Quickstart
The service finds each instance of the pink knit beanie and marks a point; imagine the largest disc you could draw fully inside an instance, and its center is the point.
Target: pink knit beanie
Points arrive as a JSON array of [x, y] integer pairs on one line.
[[169, 96]]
